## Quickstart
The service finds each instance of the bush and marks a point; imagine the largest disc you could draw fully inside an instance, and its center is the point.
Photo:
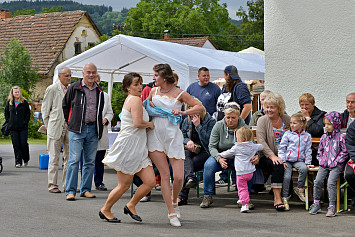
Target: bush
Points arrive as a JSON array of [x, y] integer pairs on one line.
[[33, 128]]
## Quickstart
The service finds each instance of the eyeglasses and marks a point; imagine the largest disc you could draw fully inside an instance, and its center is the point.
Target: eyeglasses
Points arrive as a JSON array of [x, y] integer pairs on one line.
[[233, 106]]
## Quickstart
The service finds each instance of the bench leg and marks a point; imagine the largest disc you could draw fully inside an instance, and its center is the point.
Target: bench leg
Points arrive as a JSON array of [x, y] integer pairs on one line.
[[338, 195], [306, 193], [197, 174]]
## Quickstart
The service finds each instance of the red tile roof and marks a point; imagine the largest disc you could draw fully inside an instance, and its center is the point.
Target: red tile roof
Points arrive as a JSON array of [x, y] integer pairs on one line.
[[43, 35], [196, 41]]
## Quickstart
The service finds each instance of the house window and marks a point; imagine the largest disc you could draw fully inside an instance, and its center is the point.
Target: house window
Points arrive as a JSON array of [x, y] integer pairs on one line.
[[77, 46]]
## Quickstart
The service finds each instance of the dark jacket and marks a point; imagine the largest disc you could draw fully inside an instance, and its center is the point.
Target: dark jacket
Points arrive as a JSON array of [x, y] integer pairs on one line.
[[203, 129], [74, 108], [315, 124], [344, 118], [17, 117], [350, 141]]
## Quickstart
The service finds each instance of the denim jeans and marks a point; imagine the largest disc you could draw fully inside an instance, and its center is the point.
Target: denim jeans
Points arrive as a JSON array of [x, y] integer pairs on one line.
[[302, 170], [85, 142], [99, 168], [210, 168]]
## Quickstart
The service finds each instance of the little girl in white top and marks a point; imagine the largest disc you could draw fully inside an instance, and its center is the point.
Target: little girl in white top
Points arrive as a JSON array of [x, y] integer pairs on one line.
[[243, 150]]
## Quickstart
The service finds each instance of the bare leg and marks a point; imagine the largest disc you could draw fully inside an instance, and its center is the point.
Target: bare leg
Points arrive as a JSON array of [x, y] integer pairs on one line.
[[178, 171], [159, 159], [124, 182], [148, 177], [277, 195]]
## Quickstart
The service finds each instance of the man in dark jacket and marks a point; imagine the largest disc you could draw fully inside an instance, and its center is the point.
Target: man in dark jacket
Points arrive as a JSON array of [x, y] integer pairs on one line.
[[82, 107], [350, 167], [349, 114]]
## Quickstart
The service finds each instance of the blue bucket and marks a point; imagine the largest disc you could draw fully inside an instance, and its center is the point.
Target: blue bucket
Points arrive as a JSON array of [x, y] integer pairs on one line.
[[43, 161]]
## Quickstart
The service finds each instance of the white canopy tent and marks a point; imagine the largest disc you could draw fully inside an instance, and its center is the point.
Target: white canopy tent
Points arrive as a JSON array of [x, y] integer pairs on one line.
[[122, 54]]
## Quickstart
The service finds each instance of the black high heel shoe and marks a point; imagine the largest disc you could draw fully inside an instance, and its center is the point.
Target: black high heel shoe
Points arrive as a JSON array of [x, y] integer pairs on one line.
[[134, 217], [113, 220]]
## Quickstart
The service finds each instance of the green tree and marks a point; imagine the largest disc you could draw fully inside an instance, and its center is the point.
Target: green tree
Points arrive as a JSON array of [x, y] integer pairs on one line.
[[183, 18], [252, 27], [52, 9], [24, 12], [16, 67]]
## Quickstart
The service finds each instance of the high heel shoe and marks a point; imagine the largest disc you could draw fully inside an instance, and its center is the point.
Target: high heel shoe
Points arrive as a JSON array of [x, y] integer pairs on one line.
[[174, 221], [177, 210], [113, 220], [134, 217]]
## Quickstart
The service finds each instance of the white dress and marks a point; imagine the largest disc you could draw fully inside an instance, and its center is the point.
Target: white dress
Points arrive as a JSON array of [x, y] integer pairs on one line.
[[129, 153], [165, 136]]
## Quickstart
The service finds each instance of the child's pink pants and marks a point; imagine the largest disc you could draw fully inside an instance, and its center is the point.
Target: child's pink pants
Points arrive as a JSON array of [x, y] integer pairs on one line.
[[242, 184]]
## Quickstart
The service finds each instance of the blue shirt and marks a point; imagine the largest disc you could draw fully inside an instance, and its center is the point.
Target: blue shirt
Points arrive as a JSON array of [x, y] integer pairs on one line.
[[208, 95]]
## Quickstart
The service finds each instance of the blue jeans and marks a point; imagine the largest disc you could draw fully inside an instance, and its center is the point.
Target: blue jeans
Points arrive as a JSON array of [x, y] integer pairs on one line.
[[210, 168], [85, 142], [302, 174]]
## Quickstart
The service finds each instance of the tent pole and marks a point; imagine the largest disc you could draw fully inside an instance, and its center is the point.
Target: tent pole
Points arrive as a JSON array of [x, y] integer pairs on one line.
[[110, 86]]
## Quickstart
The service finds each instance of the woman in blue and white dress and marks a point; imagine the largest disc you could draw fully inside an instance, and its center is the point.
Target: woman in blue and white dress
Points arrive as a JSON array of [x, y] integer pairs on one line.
[[166, 140]]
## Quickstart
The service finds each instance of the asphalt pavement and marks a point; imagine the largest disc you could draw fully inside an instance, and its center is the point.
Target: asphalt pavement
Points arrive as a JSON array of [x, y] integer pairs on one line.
[[28, 209]]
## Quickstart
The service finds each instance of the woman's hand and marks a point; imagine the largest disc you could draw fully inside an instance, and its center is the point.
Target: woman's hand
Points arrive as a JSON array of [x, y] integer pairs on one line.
[[177, 111], [196, 120], [190, 145], [151, 125], [151, 103], [255, 160], [305, 113], [223, 163], [276, 160]]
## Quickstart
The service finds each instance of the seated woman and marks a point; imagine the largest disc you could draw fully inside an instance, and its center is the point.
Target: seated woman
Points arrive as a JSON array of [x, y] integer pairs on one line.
[[269, 131], [196, 129], [223, 137], [314, 118]]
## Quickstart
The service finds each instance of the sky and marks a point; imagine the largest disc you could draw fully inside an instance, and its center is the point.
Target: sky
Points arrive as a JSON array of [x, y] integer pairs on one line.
[[117, 5]]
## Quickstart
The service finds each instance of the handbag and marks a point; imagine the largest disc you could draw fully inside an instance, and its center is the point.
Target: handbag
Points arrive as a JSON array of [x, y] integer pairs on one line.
[[5, 128]]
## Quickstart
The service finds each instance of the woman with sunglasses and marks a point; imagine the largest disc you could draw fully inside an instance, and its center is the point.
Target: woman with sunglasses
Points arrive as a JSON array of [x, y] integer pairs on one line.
[[17, 114], [223, 137]]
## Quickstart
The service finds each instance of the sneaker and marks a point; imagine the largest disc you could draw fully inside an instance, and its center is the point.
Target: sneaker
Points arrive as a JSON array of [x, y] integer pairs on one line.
[[145, 199], [300, 193], [221, 182], [314, 209], [191, 184], [331, 211], [250, 205], [26, 164], [244, 208], [206, 202], [18, 165], [285, 202], [101, 187]]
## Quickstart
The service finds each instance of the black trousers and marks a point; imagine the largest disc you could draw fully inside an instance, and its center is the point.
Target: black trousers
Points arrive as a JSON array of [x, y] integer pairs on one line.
[[20, 145], [276, 171], [350, 176], [193, 163]]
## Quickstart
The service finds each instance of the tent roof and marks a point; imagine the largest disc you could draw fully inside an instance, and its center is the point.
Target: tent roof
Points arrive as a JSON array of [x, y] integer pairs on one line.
[[252, 50], [122, 54]]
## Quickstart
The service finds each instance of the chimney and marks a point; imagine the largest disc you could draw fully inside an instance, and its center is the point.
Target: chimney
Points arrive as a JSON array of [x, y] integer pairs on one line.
[[4, 13], [166, 34]]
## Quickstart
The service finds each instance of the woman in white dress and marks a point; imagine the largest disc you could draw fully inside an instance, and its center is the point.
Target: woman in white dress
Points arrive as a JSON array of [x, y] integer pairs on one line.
[[129, 154], [166, 140]]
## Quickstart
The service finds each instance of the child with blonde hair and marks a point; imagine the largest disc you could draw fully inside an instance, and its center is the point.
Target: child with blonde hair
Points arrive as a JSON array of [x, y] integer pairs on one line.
[[295, 152], [243, 150]]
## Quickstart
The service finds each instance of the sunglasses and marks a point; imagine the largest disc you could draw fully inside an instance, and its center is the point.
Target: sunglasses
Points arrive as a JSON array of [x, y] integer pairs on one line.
[[233, 106]]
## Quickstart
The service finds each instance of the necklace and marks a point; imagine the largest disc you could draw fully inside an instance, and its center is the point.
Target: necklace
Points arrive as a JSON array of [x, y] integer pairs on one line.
[[167, 90]]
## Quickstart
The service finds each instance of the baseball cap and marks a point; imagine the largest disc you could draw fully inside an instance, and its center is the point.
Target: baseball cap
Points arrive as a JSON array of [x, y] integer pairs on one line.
[[232, 71]]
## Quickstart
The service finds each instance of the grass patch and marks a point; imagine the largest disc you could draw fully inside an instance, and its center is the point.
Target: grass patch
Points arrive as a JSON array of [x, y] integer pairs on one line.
[[31, 141]]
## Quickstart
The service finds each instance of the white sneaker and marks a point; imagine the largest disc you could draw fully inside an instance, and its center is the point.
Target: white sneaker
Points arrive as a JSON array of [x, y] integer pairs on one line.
[[177, 210], [26, 164], [174, 221], [244, 208], [145, 199], [239, 203]]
